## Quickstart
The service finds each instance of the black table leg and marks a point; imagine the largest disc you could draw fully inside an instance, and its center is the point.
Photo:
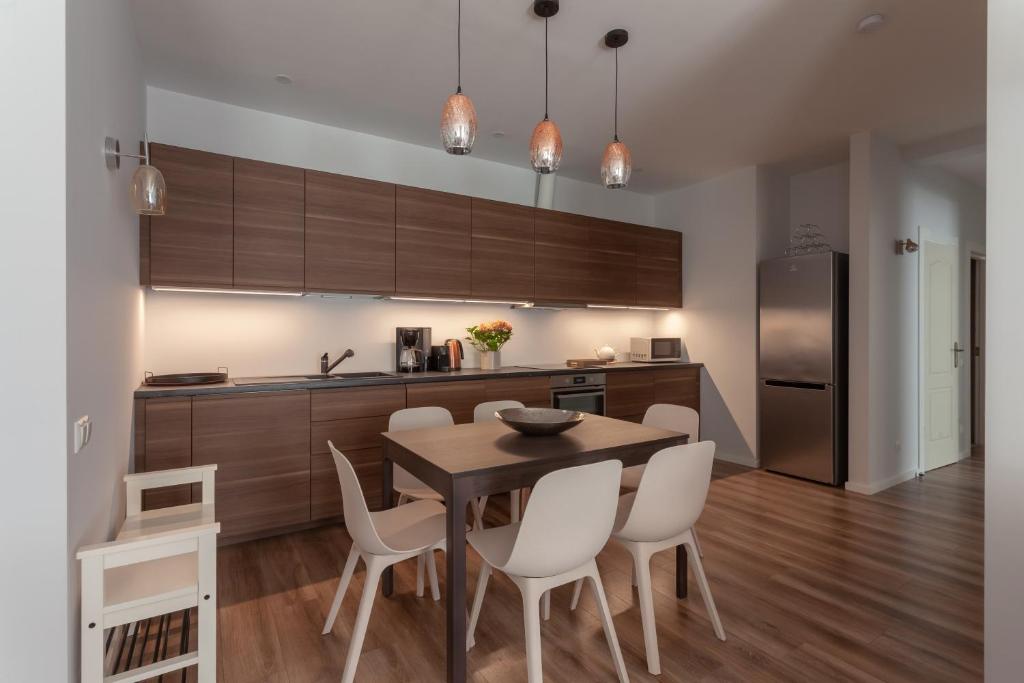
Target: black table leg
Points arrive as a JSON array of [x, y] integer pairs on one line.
[[387, 582], [455, 582], [681, 571]]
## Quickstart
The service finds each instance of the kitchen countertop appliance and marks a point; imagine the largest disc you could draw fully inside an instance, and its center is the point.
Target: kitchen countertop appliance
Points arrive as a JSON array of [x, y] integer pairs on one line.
[[455, 353], [655, 349], [584, 391], [440, 359], [803, 366], [412, 349]]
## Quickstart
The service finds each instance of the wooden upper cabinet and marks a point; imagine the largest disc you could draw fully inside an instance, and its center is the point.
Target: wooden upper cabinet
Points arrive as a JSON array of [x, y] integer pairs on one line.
[[502, 251], [433, 253], [562, 264], [268, 246], [611, 248], [192, 243], [659, 267], [350, 234]]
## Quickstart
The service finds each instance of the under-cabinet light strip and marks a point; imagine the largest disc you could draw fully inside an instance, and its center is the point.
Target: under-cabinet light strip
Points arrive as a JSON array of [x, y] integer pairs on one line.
[[205, 290]]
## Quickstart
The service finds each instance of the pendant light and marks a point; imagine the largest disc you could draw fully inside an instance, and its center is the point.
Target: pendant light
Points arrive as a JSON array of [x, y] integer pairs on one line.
[[617, 163], [147, 189], [546, 141], [458, 118]]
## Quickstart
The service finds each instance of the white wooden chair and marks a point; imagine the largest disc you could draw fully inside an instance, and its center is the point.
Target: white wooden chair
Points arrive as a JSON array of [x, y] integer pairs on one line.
[[162, 561]]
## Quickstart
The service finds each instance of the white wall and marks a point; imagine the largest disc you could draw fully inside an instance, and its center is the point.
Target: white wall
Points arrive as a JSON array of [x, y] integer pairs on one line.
[[106, 96], [1004, 464], [889, 200], [719, 222], [822, 197], [34, 537]]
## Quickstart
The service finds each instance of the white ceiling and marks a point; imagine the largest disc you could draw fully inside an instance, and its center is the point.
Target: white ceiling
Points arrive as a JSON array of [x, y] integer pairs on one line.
[[706, 85]]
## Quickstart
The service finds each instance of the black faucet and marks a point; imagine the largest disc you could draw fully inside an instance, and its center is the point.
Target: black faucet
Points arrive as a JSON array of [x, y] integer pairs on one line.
[[326, 366]]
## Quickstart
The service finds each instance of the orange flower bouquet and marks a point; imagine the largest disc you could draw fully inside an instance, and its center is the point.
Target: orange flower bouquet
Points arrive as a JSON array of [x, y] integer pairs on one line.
[[489, 336]]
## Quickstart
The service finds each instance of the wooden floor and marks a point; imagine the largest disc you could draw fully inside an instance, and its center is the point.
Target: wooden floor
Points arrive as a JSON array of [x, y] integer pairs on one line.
[[813, 584]]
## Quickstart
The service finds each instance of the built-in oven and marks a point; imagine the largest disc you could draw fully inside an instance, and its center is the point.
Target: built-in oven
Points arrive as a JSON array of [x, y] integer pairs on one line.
[[583, 392]]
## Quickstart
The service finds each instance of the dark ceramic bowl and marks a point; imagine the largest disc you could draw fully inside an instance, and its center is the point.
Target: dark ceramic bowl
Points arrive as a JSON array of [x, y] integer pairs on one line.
[[539, 421]]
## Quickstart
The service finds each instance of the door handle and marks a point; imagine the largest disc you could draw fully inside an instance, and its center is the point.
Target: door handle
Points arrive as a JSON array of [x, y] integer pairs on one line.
[[956, 354]]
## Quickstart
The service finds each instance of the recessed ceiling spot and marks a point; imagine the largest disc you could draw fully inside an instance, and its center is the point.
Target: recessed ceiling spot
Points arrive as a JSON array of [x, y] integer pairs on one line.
[[498, 134], [870, 23], [283, 79]]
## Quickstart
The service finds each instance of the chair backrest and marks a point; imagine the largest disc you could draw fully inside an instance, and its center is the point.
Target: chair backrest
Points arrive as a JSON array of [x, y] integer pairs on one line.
[[674, 418], [357, 516], [568, 520], [138, 482], [416, 418], [484, 412], [672, 492]]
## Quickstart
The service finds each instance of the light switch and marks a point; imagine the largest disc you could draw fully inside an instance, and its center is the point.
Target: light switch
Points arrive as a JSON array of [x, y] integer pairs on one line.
[[83, 431]]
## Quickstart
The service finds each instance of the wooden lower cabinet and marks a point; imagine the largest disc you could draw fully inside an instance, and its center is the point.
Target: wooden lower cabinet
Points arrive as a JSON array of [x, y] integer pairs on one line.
[[260, 444], [680, 386], [631, 393], [163, 441], [459, 397], [532, 392], [351, 419]]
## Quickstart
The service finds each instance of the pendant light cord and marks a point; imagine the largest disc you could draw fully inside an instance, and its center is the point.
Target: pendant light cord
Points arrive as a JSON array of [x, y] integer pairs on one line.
[[458, 48], [545, 68], [616, 94]]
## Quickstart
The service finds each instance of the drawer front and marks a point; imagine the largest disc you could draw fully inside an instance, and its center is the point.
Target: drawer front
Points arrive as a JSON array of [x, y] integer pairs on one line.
[[458, 397], [325, 491], [164, 429], [348, 435], [680, 386], [630, 394], [341, 404], [533, 392]]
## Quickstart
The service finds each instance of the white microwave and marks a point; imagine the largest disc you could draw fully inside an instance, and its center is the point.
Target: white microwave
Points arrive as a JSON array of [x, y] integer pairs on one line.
[[655, 349]]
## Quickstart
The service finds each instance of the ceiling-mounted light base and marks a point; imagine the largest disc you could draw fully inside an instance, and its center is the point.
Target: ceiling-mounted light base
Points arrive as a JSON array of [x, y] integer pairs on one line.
[[112, 153], [617, 37], [545, 8]]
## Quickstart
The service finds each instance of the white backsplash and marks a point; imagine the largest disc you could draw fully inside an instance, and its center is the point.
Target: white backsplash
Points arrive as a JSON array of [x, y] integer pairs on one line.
[[270, 335]]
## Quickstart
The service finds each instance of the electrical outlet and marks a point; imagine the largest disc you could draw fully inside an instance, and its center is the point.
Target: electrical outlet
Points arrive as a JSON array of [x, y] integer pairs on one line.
[[83, 432]]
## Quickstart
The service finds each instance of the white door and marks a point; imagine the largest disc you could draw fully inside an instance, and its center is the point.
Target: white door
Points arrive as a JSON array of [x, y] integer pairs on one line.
[[941, 361]]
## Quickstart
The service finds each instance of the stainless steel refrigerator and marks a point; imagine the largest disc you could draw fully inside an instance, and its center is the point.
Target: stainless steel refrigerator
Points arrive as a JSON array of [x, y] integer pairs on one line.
[[804, 365]]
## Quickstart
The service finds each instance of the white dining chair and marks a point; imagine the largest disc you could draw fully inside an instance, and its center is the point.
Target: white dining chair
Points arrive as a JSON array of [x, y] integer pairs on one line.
[[381, 539], [673, 418], [485, 412], [571, 513], [660, 515]]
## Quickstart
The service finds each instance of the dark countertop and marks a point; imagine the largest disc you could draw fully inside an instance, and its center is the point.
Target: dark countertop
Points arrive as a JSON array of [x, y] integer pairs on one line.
[[293, 383]]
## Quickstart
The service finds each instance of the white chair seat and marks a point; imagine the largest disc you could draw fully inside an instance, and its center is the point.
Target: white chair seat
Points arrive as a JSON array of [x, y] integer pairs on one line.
[[420, 493], [631, 477], [414, 526], [495, 544]]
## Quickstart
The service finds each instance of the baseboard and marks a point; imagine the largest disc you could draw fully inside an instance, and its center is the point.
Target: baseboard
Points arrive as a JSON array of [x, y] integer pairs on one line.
[[871, 488], [738, 459]]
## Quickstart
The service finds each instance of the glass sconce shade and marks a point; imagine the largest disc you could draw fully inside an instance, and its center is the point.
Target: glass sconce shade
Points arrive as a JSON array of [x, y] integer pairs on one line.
[[616, 165], [458, 124], [148, 191], [546, 147]]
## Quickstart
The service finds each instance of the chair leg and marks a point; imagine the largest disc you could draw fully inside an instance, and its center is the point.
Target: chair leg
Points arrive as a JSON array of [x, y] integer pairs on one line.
[[435, 592], [339, 595], [577, 590], [632, 575], [421, 561], [609, 627], [531, 623], [374, 568], [478, 601], [401, 499], [517, 499], [642, 570], [546, 605], [478, 505], [696, 542], [705, 589]]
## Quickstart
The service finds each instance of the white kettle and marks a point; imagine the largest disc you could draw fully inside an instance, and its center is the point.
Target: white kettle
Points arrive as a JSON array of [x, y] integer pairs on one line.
[[605, 353]]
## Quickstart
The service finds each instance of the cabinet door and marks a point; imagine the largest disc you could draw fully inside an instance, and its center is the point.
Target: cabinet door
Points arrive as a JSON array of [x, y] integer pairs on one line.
[[191, 244], [350, 234], [533, 392], [269, 239], [433, 251], [612, 261], [260, 444], [503, 244], [353, 420], [163, 430], [680, 386], [629, 394], [562, 263], [659, 267], [459, 397]]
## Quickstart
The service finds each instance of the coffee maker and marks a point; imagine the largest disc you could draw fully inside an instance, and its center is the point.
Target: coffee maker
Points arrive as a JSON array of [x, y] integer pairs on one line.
[[412, 349]]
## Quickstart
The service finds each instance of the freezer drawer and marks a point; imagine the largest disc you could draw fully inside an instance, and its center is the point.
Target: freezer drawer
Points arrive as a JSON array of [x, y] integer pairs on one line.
[[798, 430]]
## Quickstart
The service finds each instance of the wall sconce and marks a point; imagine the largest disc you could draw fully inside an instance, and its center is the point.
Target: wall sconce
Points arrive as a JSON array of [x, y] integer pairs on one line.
[[148, 190], [907, 246]]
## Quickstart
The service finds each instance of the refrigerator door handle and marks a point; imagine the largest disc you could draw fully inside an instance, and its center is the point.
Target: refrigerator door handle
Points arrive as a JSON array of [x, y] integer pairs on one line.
[[815, 386]]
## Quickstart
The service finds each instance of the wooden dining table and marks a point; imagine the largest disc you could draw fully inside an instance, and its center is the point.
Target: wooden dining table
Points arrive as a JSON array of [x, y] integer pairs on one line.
[[466, 461]]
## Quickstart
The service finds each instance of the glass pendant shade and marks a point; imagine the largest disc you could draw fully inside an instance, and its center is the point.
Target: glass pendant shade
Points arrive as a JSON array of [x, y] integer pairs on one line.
[[148, 191], [458, 124], [616, 165], [546, 147]]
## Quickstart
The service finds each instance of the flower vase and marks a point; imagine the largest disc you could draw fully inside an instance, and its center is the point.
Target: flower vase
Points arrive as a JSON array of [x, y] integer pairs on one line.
[[490, 360]]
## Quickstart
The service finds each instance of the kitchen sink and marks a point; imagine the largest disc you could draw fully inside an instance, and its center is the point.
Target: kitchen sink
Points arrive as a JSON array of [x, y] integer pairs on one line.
[[351, 375], [298, 379]]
